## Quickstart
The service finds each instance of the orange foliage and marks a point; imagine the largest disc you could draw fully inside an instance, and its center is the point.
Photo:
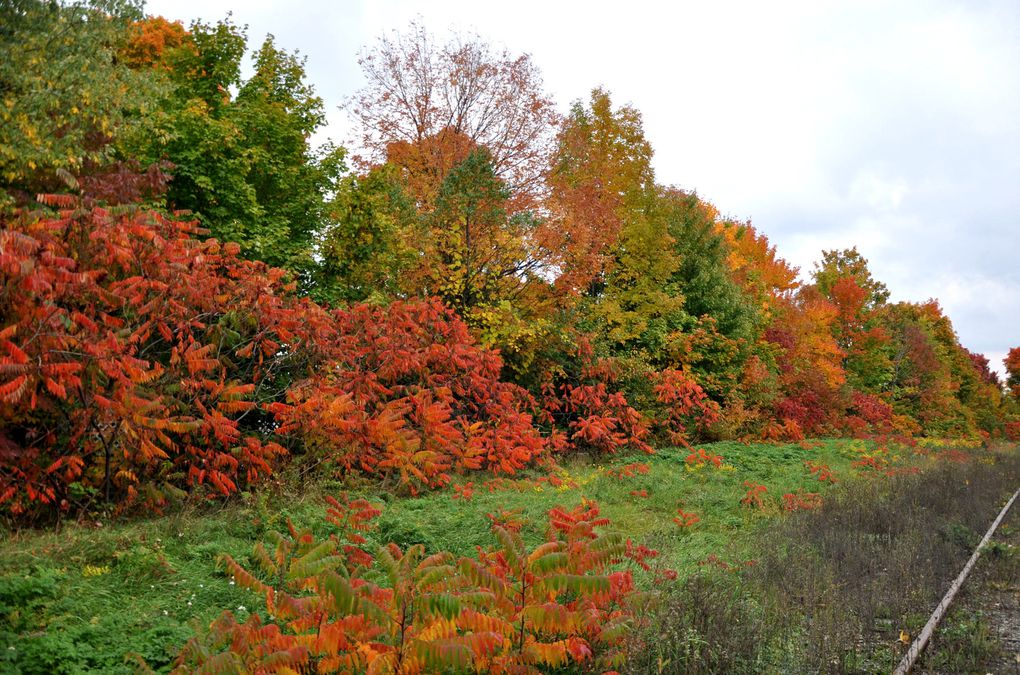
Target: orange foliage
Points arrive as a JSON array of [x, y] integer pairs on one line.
[[756, 266], [150, 40], [565, 602], [407, 395], [425, 163]]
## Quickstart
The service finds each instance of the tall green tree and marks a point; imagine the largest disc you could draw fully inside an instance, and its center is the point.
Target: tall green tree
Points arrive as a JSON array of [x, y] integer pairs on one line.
[[367, 249], [244, 164], [703, 275]]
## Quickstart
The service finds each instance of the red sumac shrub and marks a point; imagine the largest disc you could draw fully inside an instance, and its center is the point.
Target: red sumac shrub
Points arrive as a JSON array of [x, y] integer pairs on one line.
[[868, 414], [133, 357], [333, 605], [589, 413], [686, 406], [410, 397]]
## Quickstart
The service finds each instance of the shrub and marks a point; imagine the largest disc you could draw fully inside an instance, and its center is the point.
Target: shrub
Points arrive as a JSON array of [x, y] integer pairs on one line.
[[332, 605]]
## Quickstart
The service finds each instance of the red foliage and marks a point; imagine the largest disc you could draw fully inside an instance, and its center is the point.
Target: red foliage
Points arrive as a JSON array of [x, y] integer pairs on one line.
[[755, 495], [409, 396], [701, 457], [465, 491], [597, 419], [870, 462], [802, 501], [508, 519], [134, 356], [1012, 363], [603, 421], [685, 520], [130, 355], [812, 405], [869, 414], [822, 471], [640, 554], [714, 560], [788, 430], [629, 470], [686, 406], [983, 368]]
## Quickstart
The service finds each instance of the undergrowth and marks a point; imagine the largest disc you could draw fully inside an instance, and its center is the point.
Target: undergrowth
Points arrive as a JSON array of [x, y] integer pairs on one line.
[[841, 589], [81, 598]]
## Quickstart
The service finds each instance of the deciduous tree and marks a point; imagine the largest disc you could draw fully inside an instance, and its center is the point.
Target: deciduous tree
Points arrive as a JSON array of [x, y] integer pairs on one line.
[[417, 90], [64, 92], [1012, 363]]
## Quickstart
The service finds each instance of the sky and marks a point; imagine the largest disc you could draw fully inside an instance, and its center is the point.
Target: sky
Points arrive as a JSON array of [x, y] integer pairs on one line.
[[893, 126]]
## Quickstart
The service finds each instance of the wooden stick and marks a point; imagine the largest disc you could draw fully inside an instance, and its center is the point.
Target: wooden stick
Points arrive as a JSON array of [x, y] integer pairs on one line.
[[929, 628]]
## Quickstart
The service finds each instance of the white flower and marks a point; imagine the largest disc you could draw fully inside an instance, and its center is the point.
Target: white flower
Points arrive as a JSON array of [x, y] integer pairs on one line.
[[242, 608]]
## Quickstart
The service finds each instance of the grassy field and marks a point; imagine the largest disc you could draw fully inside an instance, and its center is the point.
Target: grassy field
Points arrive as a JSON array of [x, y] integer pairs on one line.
[[79, 599]]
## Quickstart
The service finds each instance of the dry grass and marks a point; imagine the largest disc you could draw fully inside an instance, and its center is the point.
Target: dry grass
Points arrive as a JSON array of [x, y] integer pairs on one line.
[[833, 588]]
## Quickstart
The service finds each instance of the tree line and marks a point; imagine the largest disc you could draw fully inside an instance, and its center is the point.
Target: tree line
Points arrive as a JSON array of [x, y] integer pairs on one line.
[[194, 294]]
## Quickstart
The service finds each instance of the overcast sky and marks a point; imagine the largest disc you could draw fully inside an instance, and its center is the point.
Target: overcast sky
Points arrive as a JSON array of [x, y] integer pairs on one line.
[[892, 126]]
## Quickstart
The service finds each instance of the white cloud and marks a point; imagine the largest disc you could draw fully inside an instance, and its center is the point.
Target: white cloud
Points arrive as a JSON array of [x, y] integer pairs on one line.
[[889, 126]]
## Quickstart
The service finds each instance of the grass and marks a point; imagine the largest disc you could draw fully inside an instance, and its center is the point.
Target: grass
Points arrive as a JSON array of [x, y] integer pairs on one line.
[[79, 599], [834, 587]]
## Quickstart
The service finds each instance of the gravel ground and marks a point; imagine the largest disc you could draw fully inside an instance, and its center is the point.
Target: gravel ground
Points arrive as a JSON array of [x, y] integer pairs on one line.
[[999, 598], [992, 592]]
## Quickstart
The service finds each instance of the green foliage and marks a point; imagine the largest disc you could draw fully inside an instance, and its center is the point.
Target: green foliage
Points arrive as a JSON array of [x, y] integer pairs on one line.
[[632, 300], [481, 252], [930, 367], [93, 621], [365, 249], [63, 92], [703, 275], [242, 163]]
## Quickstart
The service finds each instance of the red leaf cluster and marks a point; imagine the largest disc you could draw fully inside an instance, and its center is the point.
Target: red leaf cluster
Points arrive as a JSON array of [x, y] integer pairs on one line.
[[700, 458], [136, 359], [801, 501], [755, 495], [131, 355], [408, 395]]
